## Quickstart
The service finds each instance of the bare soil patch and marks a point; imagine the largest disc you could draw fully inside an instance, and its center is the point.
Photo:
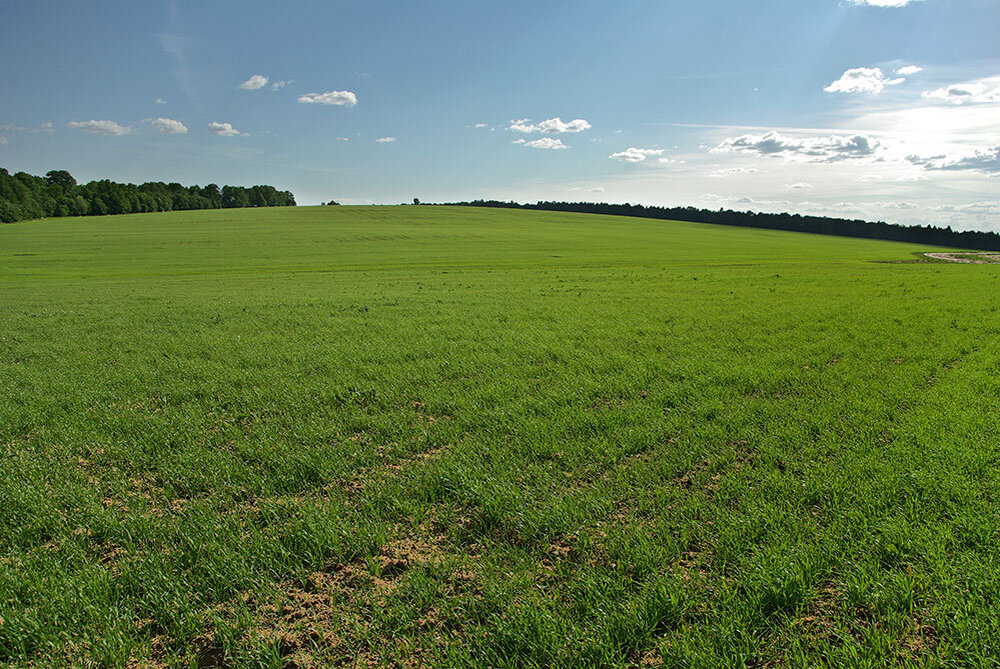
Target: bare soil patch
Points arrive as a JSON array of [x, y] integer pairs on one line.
[[978, 258]]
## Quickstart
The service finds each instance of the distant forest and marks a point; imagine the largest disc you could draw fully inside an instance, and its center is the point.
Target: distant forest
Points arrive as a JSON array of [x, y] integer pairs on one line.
[[821, 225], [24, 197]]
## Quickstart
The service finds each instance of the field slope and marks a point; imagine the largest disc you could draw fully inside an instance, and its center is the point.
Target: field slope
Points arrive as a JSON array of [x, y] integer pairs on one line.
[[411, 436]]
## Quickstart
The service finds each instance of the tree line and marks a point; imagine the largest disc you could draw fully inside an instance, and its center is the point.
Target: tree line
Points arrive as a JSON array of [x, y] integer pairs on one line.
[[821, 225], [24, 197]]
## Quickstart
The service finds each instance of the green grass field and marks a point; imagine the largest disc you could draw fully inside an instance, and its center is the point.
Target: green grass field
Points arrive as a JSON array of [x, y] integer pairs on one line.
[[412, 436]]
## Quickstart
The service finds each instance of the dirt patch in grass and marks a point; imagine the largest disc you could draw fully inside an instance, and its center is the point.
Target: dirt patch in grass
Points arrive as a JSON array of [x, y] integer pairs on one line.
[[981, 258], [327, 619]]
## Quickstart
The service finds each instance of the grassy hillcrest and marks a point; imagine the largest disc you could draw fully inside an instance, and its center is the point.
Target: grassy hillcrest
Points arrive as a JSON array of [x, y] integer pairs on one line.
[[483, 437]]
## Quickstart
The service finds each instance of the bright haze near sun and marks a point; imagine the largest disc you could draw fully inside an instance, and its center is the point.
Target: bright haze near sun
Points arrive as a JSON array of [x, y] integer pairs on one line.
[[877, 109]]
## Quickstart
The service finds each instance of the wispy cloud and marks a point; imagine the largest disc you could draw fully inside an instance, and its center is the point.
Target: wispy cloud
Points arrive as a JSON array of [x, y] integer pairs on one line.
[[109, 128], [10, 127], [177, 47], [3, 140], [635, 155], [883, 3], [862, 80], [277, 85], [385, 140], [909, 70], [340, 98], [168, 126], [552, 126], [161, 101], [732, 172], [986, 208], [224, 129], [801, 185], [543, 143]]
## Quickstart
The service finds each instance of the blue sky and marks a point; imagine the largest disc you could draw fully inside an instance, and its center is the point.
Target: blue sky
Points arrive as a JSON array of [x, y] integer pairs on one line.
[[834, 107]]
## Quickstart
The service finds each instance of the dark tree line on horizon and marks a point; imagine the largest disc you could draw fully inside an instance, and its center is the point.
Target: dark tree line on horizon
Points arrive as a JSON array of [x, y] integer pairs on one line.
[[25, 197], [822, 225]]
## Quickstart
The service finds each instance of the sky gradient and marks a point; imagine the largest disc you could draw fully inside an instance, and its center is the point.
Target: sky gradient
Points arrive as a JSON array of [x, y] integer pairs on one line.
[[879, 109]]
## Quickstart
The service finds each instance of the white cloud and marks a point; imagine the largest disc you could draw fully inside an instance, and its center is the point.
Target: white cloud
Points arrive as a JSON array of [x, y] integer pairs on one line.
[[550, 126], [870, 178], [888, 205], [280, 84], [862, 80], [3, 140], [223, 129], [479, 125], [343, 139], [168, 126], [974, 208], [597, 189], [969, 92], [882, 3], [161, 101], [799, 186], [634, 155], [385, 140], [731, 172], [254, 82], [543, 143], [341, 98], [45, 127], [109, 128], [806, 149], [908, 70], [981, 160]]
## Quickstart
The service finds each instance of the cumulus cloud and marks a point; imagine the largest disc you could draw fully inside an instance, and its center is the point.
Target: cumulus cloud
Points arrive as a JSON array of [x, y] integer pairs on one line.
[[908, 70], [254, 82], [731, 172], [862, 80], [542, 143], [109, 128], [799, 186], [634, 155], [550, 126], [340, 98], [882, 3], [385, 140], [807, 149], [223, 129], [969, 92], [168, 126], [982, 160]]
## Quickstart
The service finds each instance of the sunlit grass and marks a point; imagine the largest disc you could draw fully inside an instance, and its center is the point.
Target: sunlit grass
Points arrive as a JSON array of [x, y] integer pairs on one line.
[[472, 437]]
